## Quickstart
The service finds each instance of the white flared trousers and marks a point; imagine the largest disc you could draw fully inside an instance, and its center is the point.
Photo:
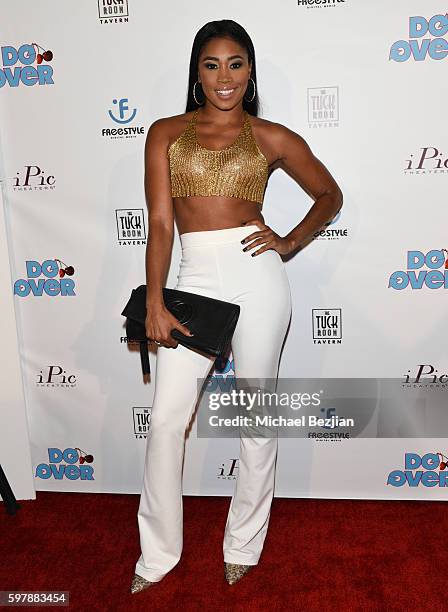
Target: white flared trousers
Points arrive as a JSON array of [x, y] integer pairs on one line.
[[214, 264]]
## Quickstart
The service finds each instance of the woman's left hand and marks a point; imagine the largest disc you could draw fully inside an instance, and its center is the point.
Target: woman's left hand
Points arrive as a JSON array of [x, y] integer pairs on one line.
[[267, 237]]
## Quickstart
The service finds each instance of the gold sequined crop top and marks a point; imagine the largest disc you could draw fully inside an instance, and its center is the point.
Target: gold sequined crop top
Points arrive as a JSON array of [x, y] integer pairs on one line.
[[238, 171]]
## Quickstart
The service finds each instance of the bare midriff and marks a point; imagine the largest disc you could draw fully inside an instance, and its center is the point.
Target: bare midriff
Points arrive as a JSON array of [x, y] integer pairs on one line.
[[197, 213]]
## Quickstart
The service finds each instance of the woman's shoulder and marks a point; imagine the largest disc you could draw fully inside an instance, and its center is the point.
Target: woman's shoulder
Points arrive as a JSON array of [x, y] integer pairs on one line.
[[168, 127], [272, 135], [270, 129], [166, 130]]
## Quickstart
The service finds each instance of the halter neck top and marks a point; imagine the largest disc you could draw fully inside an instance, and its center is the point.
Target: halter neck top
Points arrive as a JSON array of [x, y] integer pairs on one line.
[[237, 171]]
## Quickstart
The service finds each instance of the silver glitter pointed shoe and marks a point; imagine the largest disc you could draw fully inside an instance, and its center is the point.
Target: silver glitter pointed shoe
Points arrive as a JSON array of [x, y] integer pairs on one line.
[[140, 584], [234, 572]]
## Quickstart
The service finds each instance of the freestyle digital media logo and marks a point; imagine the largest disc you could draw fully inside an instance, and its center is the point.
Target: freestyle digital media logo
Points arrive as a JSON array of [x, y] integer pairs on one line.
[[64, 464], [130, 226], [142, 421], [421, 470], [122, 115], [423, 270], [419, 48], [430, 161], [55, 376], [323, 107], [427, 376], [113, 11], [17, 66], [331, 233], [48, 284], [327, 325], [331, 421], [33, 178], [319, 3]]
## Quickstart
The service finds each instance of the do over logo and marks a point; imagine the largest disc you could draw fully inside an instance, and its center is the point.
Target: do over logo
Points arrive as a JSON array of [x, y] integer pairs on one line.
[[415, 276], [48, 284], [17, 68], [421, 470], [420, 48], [61, 464]]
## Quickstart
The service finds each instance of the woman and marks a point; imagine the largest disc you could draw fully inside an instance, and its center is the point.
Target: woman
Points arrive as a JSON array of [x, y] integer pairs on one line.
[[207, 170]]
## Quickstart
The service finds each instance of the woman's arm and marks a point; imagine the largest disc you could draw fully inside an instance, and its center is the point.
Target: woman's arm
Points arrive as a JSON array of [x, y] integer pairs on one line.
[[160, 212], [296, 158], [159, 321]]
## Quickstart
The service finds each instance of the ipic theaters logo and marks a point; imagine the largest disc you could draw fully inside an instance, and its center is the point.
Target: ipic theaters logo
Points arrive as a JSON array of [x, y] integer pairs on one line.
[[55, 376], [113, 11], [17, 68], [426, 376], [33, 178], [130, 226], [426, 470], [428, 270], [327, 325], [47, 278], [122, 115], [228, 470], [332, 233], [430, 161], [319, 3], [69, 463], [323, 107], [142, 421], [418, 48]]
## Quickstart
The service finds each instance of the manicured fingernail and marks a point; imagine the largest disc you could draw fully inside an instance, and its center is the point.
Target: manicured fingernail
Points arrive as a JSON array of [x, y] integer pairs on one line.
[[242, 241], [253, 254]]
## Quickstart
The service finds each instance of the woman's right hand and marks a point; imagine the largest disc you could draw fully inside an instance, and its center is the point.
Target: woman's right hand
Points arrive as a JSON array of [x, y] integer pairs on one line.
[[159, 325]]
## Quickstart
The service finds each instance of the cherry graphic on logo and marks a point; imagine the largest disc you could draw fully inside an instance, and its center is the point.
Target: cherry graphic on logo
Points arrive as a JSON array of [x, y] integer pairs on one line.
[[443, 461], [64, 269], [47, 55], [446, 260], [83, 457]]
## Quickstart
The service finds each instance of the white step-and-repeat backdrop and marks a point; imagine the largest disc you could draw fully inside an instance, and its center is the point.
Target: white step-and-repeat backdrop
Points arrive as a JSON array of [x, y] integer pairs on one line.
[[365, 84]]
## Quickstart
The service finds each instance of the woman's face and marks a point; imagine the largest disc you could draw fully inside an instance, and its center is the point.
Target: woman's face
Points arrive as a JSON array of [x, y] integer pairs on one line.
[[223, 67]]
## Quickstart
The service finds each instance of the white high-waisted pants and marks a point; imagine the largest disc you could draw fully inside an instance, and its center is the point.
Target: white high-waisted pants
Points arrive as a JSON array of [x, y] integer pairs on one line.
[[214, 264]]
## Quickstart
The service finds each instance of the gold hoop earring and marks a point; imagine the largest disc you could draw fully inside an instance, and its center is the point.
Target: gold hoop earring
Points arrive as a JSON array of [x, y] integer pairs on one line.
[[255, 89], [194, 95]]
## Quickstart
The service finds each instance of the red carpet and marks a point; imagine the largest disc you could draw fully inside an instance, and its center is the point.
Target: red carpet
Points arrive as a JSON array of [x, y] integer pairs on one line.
[[319, 555]]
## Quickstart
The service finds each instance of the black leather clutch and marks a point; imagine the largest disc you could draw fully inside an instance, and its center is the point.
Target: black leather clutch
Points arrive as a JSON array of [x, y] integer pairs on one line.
[[211, 321]]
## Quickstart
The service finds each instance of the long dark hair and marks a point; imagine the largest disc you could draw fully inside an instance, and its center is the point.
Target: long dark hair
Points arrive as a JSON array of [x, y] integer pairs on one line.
[[215, 29]]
